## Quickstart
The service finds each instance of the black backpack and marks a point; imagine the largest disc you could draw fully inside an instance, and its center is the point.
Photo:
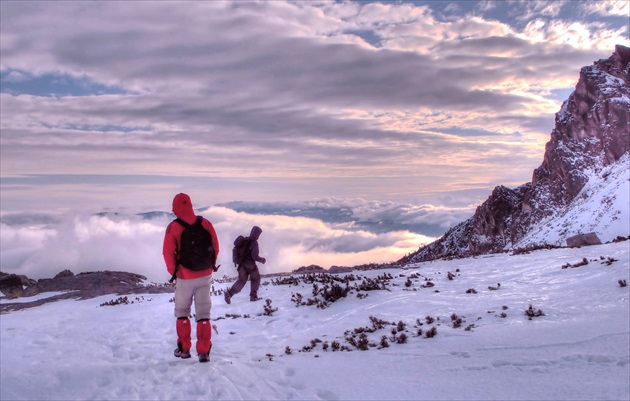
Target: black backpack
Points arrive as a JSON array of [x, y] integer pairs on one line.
[[242, 250], [196, 250]]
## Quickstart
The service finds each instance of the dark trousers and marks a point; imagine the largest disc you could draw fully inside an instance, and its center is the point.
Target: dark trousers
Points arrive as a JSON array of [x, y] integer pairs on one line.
[[243, 275]]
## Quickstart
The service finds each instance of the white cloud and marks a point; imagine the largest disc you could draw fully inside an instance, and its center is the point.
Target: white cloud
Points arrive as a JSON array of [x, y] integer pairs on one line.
[[285, 87], [580, 35], [122, 241], [533, 9], [607, 8]]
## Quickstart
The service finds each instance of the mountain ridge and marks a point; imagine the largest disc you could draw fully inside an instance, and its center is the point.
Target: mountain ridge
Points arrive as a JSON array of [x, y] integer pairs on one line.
[[591, 134]]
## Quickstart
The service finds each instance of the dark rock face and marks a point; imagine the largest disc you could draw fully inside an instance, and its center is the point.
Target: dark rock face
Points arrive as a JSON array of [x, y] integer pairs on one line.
[[104, 282], [583, 240], [592, 131], [82, 285], [309, 269], [11, 286], [339, 269], [65, 273]]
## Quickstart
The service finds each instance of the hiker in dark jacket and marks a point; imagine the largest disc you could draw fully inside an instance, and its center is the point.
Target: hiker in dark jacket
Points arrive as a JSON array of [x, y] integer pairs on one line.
[[248, 268]]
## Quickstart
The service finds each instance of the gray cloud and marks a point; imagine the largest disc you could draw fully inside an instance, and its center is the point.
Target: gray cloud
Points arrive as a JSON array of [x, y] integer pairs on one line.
[[279, 93]]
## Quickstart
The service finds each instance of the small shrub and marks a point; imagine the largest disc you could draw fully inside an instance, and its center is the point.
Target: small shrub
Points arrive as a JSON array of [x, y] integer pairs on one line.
[[384, 343], [268, 310], [401, 339], [297, 299], [288, 350], [378, 324], [118, 301], [622, 283], [401, 325], [609, 261], [431, 333], [584, 262], [363, 343], [531, 312], [457, 321]]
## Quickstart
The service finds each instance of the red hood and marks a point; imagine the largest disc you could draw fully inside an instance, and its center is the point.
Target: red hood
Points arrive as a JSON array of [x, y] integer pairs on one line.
[[182, 207]]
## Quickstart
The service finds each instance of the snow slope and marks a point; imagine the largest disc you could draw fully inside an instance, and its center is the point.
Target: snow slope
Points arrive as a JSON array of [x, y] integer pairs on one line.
[[602, 206], [579, 349]]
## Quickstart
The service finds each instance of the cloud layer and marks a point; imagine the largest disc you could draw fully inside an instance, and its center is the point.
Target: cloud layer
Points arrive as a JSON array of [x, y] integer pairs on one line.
[[359, 99], [40, 246]]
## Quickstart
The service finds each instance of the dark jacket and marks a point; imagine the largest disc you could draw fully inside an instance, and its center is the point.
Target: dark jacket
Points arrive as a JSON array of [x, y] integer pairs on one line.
[[250, 263]]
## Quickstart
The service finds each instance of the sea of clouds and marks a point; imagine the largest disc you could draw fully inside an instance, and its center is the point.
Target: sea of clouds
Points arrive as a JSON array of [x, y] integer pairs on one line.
[[324, 232]]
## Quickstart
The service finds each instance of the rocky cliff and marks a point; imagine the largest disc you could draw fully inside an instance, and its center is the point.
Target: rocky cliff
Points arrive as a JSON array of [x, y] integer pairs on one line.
[[592, 132]]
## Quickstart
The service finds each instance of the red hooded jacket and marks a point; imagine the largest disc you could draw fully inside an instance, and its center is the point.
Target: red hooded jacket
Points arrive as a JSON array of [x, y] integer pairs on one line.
[[183, 209]]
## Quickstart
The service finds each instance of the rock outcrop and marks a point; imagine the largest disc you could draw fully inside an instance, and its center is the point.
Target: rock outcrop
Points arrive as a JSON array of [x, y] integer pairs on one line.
[[13, 285], [82, 285], [592, 131], [583, 240]]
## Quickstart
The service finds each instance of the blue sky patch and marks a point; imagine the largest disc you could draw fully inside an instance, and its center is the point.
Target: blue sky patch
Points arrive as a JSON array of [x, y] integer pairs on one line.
[[16, 82], [465, 132], [367, 35], [105, 128], [561, 94]]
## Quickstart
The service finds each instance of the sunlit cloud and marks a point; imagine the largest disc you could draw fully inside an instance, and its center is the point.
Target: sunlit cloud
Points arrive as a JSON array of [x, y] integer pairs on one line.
[[608, 8], [131, 242], [286, 100]]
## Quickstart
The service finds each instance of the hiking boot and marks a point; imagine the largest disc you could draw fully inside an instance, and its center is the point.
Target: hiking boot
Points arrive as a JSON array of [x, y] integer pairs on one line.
[[204, 358], [181, 354], [228, 297], [254, 298]]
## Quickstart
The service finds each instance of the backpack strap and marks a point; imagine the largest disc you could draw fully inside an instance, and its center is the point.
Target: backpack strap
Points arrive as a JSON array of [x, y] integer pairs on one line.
[[182, 222], [198, 220]]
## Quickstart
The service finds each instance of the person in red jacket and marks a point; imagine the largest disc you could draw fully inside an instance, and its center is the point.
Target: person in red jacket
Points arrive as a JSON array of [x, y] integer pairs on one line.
[[191, 284]]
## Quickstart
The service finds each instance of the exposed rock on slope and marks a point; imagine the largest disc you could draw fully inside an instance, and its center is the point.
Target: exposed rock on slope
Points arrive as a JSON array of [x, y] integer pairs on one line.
[[591, 134], [82, 285]]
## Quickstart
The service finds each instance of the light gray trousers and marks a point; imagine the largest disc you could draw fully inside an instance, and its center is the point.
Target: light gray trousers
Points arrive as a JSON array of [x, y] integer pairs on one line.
[[197, 289]]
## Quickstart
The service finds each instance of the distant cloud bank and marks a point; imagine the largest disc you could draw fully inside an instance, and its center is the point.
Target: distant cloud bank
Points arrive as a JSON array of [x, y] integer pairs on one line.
[[326, 232]]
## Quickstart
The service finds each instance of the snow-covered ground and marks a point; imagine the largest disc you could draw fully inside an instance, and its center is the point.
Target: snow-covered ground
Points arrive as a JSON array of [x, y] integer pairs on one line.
[[579, 349]]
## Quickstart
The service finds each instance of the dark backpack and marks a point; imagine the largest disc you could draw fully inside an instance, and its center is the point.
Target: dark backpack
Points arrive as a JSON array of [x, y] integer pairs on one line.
[[242, 250], [196, 251]]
